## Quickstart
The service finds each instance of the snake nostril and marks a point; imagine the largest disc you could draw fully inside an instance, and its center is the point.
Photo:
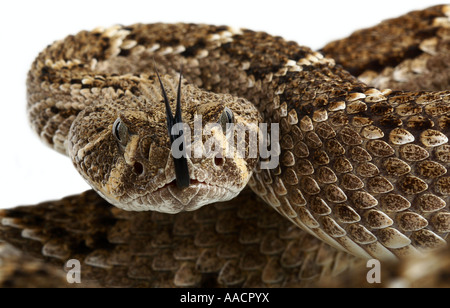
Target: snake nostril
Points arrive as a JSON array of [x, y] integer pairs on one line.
[[138, 168], [218, 161]]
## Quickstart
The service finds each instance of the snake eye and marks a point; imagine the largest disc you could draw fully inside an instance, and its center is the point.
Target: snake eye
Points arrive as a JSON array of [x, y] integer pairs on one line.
[[226, 117], [120, 132]]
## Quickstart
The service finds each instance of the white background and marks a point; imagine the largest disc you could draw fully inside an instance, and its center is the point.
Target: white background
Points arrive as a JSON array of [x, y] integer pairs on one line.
[[31, 172]]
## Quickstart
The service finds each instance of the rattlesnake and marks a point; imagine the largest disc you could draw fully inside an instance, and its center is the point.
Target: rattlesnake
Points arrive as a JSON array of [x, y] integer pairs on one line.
[[363, 169]]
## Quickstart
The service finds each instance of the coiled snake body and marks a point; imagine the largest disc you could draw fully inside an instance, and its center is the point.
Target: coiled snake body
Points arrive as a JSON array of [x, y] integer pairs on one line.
[[361, 168]]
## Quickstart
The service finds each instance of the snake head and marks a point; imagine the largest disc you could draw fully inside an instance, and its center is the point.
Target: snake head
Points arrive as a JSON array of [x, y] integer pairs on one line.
[[122, 149]]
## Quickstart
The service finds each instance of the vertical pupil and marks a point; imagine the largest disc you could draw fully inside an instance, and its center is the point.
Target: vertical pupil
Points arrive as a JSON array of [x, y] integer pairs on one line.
[[229, 117], [226, 118], [116, 130]]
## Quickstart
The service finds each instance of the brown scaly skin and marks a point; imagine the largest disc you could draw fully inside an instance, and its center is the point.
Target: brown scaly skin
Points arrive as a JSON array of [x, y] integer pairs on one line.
[[397, 55], [269, 253], [19, 270], [428, 271], [240, 243], [385, 192]]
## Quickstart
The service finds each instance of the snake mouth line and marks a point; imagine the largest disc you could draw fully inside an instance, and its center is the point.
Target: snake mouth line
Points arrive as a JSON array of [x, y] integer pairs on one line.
[[174, 184], [193, 183], [170, 198]]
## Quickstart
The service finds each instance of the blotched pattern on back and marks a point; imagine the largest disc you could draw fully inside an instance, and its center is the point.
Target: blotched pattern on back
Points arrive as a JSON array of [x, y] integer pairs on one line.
[[363, 168]]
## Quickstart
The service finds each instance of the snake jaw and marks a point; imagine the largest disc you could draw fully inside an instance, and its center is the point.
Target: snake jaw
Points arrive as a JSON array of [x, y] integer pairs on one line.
[[169, 198], [162, 193]]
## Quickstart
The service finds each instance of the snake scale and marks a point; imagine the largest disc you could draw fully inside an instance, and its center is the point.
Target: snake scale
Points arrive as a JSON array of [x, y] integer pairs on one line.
[[362, 168]]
